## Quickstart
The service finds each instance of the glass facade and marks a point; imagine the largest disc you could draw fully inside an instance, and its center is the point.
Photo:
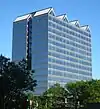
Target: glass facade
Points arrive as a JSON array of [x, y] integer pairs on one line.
[[58, 50], [69, 52]]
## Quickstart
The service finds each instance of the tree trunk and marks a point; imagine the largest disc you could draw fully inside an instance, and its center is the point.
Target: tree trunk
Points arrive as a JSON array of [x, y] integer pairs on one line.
[[75, 104], [1, 102]]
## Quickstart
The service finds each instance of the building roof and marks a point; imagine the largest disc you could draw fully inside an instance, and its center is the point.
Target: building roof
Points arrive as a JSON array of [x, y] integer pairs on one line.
[[22, 17], [44, 11], [62, 17], [36, 13], [75, 22], [50, 10], [85, 27]]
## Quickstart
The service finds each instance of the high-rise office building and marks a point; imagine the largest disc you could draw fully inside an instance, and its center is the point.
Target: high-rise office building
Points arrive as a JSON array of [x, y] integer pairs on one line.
[[57, 49]]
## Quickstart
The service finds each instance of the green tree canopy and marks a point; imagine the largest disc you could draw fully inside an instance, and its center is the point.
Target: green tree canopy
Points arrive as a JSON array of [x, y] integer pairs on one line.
[[78, 93], [15, 78], [83, 92], [94, 91], [56, 91], [55, 97]]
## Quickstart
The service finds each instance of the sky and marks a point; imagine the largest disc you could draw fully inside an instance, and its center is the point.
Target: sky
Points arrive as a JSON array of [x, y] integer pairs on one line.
[[86, 11]]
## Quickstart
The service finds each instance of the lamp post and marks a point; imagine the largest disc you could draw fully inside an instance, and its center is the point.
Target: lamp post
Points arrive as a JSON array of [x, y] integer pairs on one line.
[[30, 104]]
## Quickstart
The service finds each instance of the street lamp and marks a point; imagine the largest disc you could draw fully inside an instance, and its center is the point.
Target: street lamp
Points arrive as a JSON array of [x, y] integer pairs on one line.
[[66, 101], [30, 104]]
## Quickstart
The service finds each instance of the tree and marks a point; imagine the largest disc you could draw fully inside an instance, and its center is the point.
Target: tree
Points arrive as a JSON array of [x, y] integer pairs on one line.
[[83, 92], [78, 93], [32, 99], [38, 102], [15, 78], [54, 97], [94, 91]]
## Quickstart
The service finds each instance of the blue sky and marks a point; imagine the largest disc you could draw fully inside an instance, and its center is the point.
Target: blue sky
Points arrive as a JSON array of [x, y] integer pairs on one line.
[[86, 11]]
